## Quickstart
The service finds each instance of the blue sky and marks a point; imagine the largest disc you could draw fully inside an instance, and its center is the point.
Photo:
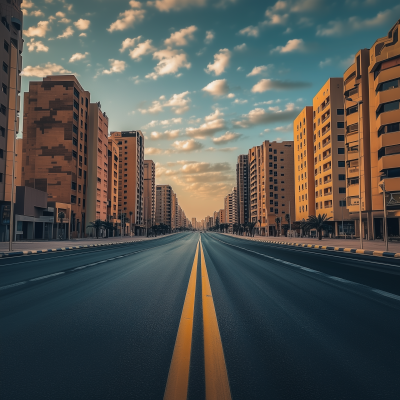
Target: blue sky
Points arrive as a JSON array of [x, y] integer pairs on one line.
[[204, 80]]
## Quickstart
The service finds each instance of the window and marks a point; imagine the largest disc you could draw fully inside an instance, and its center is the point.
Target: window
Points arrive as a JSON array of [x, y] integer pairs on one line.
[[73, 199], [276, 211], [340, 138], [394, 83], [340, 111], [393, 105], [340, 124], [73, 185], [342, 190], [271, 202], [75, 129], [4, 88], [341, 163], [76, 93], [352, 110], [340, 150], [3, 109], [389, 128], [342, 177], [1, 153], [5, 67], [6, 46], [75, 141], [76, 104], [393, 173], [271, 209], [76, 117], [342, 203], [1, 177]]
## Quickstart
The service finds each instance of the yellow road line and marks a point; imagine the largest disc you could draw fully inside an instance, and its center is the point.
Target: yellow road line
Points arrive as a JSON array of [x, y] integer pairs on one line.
[[217, 382], [178, 376]]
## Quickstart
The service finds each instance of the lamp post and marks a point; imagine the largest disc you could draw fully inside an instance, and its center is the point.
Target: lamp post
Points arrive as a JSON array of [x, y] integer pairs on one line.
[[359, 164], [16, 23]]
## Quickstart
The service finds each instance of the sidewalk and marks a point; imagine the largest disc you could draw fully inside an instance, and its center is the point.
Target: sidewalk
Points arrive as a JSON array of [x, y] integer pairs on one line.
[[371, 247], [30, 247]]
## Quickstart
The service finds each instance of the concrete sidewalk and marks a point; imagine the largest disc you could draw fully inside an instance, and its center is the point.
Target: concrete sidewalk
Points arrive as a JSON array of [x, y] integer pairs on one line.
[[45, 246], [370, 247]]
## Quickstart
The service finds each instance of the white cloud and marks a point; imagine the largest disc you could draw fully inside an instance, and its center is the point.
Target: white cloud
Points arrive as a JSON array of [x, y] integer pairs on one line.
[[135, 4], [64, 20], [214, 116], [209, 37], [41, 71], [116, 66], [250, 31], [60, 14], [226, 138], [36, 46], [152, 151], [78, 57], [273, 16], [217, 88], [164, 136], [240, 47], [209, 128], [268, 84], [326, 62], [179, 104], [82, 34], [169, 62], [230, 96], [181, 37], [128, 43], [187, 145], [175, 5], [291, 45], [82, 24], [286, 128], [142, 49], [258, 70], [126, 20], [221, 62], [37, 13], [240, 101], [66, 34], [27, 4], [39, 30]]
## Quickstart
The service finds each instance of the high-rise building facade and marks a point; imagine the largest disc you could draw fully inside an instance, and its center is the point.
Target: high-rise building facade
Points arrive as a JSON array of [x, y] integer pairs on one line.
[[194, 223], [55, 141], [271, 179], [230, 203], [113, 177], [164, 194], [149, 193], [97, 144], [329, 155], [242, 182], [131, 175], [304, 165]]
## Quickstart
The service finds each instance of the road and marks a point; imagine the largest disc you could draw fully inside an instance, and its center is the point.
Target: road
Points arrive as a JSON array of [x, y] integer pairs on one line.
[[182, 317]]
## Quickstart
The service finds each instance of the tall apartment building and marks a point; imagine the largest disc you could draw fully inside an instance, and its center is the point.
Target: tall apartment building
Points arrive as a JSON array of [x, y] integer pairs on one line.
[[11, 60], [113, 177], [97, 144], [384, 106], [242, 182], [222, 216], [149, 193], [55, 144], [329, 155], [271, 179], [304, 165], [230, 203], [131, 175], [174, 211], [164, 194], [194, 223]]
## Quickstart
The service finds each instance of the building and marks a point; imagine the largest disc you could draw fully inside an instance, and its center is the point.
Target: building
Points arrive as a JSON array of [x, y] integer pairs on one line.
[[329, 156], [271, 181], [384, 106], [149, 196], [242, 182], [194, 223], [113, 178], [222, 216], [97, 144], [304, 165], [55, 141], [230, 203], [164, 194], [174, 211], [11, 60], [131, 175]]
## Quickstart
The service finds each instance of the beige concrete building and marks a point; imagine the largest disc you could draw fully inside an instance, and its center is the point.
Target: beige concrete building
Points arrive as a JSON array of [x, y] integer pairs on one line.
[[271, 179], [222, 216], [149, 193], [113, 178], [55, 141], [230, 206], [242, 181], [304, 165], [97, 145], [131, 175], [329, 156], [164, 195], [194, 223]]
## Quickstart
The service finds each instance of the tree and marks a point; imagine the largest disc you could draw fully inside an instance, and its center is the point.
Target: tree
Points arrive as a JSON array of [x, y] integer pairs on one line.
[[97, 225], [251, 226], [130, 214], [278, 221], [109, 227], [318, 222], [61, 216]]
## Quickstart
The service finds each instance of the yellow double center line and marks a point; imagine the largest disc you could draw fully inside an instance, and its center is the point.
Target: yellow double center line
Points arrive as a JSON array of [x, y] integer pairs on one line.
[[216, 375]]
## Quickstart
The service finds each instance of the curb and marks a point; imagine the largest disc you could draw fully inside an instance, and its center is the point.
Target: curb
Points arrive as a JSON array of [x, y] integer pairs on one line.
[[340, 249]]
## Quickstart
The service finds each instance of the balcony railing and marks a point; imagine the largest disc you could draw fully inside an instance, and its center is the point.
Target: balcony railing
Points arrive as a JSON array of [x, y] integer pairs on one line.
[[326, 105], [327, 181], [326, 143], [328, 205], [327, 168], [328, 155], [324, 119], [326, 130]]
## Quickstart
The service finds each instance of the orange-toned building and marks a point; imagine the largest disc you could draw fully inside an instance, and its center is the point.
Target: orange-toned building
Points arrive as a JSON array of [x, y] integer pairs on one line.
[[329, 156], [304, 165], [113, 177], [55, 140], [131, 174], [149, 193], [164, 195]]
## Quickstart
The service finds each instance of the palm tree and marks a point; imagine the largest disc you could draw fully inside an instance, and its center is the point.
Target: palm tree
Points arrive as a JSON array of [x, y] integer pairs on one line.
[[319, 223], [278, 221], [61, 216], [97, 225], [251, 226], [109, 227]]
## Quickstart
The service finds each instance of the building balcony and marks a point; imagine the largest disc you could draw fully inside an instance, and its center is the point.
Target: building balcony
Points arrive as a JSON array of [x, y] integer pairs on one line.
[[325, 130], [352, 155], [326, 143], [326, 118], [327, 181], [387, 162], [325, 105], [391, 184], [327, 156], [389, 117], [352, 191], [327, 168], [352, 172]]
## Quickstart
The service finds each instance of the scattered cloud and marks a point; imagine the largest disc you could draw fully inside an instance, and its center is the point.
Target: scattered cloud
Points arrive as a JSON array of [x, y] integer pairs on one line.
[[181, 37], [209, 128], [187, 145], [291, 46], [240, 47], [217, 88], [36, 46], [116, 66], [39, 30], [221, 62], [240, 101], [268, 84], [251, 30], [78, 57], [167, 135], [27, 4], [152, 151], [226, 138], [41, 71], [66, 34], [210, 35], [179, 104], [37, 13], [128, 18], [82, 24], [170, 61], [129, 43], [285, 128], [141, 50], [258, 70], [325, 63], [176, 5]]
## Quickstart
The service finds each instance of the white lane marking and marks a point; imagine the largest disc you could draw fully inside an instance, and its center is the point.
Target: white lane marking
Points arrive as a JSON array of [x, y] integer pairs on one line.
[[381, 292], [387, 294], [10, 286], [46, 276]]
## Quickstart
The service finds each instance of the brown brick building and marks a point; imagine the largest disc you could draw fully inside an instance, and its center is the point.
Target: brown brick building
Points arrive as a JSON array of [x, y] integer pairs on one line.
[[113, 175], [149, 196], [55, 144]]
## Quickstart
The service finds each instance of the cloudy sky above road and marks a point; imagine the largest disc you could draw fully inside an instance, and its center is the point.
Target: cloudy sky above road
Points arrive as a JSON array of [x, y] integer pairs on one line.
[[204, 80]]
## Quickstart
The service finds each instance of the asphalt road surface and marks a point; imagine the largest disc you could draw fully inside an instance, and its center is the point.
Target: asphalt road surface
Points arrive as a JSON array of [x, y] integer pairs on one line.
[[182, 317]]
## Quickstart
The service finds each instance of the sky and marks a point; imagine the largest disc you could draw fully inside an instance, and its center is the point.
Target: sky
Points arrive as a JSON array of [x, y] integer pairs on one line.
[[204, 80]]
